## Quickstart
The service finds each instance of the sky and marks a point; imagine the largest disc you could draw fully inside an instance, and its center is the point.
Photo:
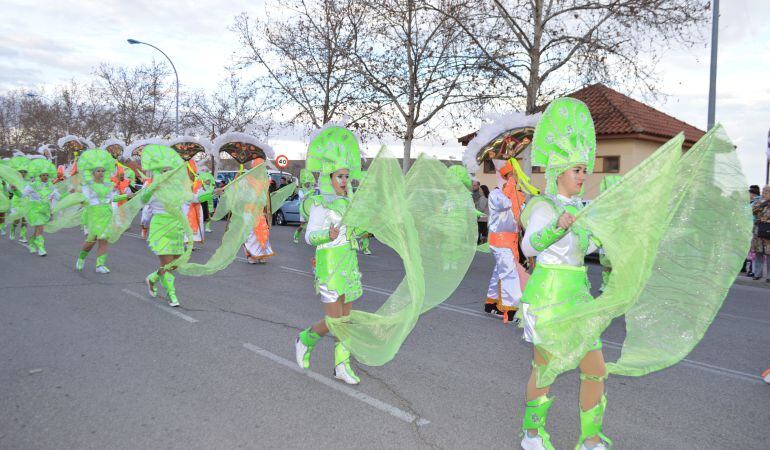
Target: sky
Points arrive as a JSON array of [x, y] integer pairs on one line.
[[43, 44]]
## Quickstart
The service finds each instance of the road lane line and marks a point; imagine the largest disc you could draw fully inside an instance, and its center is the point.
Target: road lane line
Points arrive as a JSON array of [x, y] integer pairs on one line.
[[168, 309], [338, 386]]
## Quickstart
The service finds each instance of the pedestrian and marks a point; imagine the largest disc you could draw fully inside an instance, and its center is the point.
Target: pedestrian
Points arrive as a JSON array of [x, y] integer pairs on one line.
[[99, 195], [760, 243], [337, 277], [754, 195], [482, 206]]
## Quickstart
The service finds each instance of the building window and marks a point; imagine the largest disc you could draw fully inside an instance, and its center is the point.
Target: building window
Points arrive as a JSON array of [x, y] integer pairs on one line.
[[608, 164], [489, 166]]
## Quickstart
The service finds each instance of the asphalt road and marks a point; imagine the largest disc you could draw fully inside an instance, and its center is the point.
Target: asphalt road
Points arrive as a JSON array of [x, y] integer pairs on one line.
[[90, 361]]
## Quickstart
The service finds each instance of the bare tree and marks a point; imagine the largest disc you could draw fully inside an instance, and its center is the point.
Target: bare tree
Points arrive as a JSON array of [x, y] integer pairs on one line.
[[419, 61], [550, 47], [140, 98], [304, 59], [235, 105]]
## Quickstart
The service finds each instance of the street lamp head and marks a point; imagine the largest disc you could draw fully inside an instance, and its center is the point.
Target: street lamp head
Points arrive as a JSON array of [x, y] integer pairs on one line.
[[134, 41]]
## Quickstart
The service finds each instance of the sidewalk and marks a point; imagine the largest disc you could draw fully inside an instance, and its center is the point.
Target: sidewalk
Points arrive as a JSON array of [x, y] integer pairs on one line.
[[746, 281]]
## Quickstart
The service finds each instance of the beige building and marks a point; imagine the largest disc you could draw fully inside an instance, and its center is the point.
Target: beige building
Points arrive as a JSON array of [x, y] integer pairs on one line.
[[627, 132]]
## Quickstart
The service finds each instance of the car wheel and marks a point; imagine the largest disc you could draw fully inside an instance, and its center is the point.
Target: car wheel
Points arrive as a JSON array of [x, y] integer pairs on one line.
[[280, 219]]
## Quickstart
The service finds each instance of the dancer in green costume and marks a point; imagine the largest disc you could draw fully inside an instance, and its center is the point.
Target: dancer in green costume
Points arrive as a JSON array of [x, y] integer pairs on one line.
[[305, 191], [99, 194], [39, 194], [559, 282], [335, 154], [166, 236], [17, 213], [6, 201], [690, 226]]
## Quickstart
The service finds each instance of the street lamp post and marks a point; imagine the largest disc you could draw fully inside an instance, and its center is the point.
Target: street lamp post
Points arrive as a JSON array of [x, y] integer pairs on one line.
[[134, 41], [713, 71]]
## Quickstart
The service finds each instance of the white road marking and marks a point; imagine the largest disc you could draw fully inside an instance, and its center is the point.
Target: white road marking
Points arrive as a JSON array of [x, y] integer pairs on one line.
[[338, 386], [168, 309]]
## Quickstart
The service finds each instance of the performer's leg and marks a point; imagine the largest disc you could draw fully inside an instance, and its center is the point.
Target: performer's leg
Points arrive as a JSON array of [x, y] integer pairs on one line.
[[40, 241], [534, 436], [167, 278], [81, 261], [23, 231], [493, 292], [101, 257], [308, 337], [593, 402], [342, 368]]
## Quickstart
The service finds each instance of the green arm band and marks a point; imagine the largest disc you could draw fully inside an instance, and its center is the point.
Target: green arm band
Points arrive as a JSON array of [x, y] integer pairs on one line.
[[547, 236], [120, 198], [320, 237]]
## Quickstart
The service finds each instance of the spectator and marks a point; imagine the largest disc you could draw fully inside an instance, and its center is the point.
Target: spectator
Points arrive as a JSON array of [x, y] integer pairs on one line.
[[475, 186], [760, 243], [482, 206]]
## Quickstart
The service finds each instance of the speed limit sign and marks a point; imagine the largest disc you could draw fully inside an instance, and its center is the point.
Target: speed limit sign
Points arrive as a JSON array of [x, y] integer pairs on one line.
[[281, 161]]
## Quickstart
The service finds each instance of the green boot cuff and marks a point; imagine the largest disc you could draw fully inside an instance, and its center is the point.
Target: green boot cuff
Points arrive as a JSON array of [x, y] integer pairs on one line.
[[591, 423], [309, 337], [167, 279], [101, 260], [341, 354], [536, 416], [82, 255], [153, 277]]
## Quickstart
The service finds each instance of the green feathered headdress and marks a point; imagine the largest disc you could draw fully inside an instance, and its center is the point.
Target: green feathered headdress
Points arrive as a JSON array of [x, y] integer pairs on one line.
[[334, 148], [93, 159], [19, 163], [564, 137], [306, 177], [39, 166], [157, 157]]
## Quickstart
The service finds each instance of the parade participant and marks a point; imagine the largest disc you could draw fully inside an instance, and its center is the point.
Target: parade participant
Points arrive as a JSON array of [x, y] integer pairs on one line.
[[166, 236], [39, 194], [18, 212], [306, 190], [209, 184], [5, 193], [99, 194], [193, 209], [257, 248], [700, 239], [508, 277], [607, 182], [334, 153], [121, 182]]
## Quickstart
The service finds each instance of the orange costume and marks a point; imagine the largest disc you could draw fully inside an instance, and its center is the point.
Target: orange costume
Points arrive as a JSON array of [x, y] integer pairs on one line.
[[257, 247]]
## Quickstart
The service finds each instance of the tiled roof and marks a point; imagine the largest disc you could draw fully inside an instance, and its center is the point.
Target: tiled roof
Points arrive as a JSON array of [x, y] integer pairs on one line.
[[619, 115], [616, 116]]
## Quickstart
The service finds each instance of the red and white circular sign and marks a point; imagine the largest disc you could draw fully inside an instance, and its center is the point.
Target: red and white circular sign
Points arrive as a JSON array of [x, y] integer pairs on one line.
[[281, 161]]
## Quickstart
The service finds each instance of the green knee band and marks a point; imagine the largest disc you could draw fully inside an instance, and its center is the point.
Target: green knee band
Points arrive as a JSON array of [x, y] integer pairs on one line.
[[596, 378], [153, 277], [82, 255], [591, 423]]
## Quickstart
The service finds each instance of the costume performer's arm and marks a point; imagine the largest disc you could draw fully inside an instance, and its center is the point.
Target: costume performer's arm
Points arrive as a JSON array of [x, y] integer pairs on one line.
[[542, 230], [316, 234], [30, 193]]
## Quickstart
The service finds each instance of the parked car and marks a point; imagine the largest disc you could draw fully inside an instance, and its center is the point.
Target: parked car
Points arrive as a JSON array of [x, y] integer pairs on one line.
[[225, 176], [289, 212]]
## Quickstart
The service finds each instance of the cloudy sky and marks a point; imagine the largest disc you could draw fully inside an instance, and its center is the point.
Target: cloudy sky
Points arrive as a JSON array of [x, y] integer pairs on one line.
[[48, 43]]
